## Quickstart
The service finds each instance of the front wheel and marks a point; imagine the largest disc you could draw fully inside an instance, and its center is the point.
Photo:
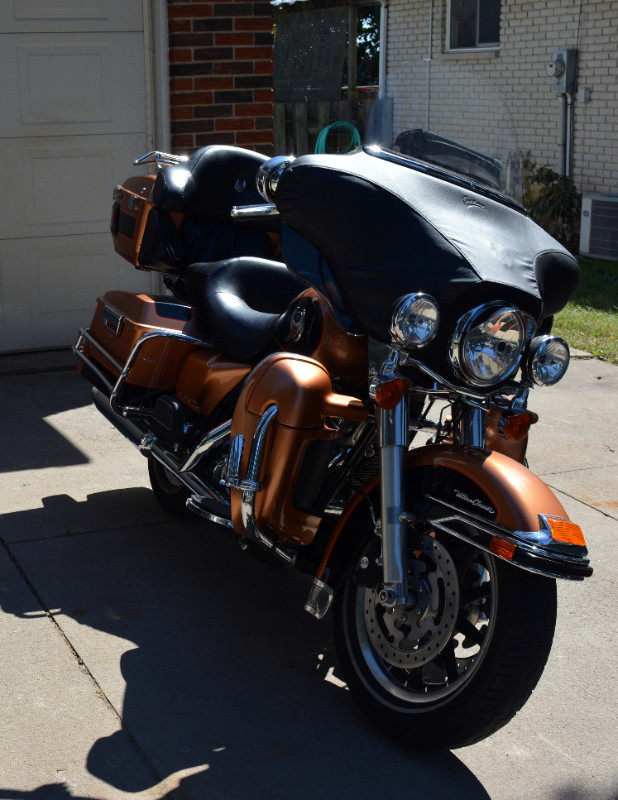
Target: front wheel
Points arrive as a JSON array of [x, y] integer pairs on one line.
[[464, 655]]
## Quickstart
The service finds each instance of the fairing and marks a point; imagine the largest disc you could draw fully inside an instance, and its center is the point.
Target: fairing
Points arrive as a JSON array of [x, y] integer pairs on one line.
[[383, 229]]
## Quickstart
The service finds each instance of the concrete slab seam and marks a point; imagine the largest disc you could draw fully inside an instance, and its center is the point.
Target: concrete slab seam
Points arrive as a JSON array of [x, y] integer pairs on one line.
[[81, 663]]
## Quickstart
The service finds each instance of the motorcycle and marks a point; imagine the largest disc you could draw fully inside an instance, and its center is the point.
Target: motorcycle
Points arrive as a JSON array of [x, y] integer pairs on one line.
[[338, 375]]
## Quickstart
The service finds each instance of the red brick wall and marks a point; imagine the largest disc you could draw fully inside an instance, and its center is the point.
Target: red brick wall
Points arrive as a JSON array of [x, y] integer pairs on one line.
[[221, 66]]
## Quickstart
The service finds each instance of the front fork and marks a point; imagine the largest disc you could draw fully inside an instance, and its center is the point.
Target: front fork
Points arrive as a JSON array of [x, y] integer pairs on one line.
[[392, 432]]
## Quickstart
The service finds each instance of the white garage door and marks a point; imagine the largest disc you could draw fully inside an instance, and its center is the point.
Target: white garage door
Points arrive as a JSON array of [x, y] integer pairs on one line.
[[73, 118]]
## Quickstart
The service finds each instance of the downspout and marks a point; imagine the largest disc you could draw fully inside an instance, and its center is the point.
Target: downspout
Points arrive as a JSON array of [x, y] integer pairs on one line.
[[161, 99], [161, 77], [429, 60], [382, 56]]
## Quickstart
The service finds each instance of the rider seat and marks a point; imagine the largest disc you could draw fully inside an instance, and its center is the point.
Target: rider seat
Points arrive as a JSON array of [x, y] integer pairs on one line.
[[241, 302]]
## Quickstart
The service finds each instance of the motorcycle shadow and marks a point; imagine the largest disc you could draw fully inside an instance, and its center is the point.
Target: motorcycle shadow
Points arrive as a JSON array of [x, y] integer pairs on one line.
[[231, 688]]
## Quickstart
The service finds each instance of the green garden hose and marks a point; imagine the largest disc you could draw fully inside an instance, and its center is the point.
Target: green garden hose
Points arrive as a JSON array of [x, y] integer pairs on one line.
[[340, 125]]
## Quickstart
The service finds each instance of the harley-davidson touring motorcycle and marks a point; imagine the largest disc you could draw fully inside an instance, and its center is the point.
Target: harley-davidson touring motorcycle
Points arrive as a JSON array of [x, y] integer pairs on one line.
[[337, 373]]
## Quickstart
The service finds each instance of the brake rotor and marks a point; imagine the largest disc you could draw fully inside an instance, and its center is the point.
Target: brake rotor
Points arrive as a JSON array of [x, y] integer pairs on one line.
[[413, 636]]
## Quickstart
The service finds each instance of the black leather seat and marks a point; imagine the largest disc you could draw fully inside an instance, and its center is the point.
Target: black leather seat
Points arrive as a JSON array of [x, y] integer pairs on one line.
[[241, 302]]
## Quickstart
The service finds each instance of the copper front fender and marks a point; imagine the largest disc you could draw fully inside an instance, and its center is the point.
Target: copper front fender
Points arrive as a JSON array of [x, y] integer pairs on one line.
[[487, 499], [517, 495]]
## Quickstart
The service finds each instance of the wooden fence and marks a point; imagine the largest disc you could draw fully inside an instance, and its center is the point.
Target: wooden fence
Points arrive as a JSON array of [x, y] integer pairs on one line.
[[298, 125]]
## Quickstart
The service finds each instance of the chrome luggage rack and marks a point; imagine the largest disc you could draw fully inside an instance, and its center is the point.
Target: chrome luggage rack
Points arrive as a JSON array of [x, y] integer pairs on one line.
[[115, 389]]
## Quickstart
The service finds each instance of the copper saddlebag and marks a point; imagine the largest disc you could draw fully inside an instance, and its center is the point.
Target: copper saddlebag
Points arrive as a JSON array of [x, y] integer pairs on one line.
[[121, 319]]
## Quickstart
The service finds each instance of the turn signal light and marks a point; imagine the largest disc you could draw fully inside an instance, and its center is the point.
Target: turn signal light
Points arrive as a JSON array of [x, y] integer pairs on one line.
[[563, 530], [516, 426], [388, 393], [502, 548]]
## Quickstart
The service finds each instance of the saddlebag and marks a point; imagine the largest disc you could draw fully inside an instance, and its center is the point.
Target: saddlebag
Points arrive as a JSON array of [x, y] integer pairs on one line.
[[169, 359], [121, 319]]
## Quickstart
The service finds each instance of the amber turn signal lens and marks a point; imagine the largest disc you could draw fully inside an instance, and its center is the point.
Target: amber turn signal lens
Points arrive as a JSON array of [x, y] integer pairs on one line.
[[389, 393], [515, 427], [563, 530], [502, 548]]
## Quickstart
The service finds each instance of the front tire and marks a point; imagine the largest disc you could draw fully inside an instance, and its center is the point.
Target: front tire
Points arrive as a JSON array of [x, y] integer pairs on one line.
[[461, 659]]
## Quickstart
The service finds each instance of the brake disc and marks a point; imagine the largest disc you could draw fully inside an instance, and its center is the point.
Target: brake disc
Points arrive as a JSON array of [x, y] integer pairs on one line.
[[412, 636]]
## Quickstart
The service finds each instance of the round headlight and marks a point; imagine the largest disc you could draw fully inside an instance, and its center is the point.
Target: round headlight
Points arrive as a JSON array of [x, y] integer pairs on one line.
[[415, 320], [548, 360], [487, 344]]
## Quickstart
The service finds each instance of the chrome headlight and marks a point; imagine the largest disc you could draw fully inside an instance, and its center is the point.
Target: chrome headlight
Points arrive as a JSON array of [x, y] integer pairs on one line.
[[415, 320], [488, 341], [547, 360]]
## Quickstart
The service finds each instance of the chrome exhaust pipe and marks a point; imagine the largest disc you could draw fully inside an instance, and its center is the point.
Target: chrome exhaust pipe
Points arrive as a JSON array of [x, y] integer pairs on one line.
[[150, 446]]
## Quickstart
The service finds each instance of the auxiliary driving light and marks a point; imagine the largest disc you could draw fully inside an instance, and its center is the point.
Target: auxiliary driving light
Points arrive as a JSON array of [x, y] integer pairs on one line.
[[548, 360]]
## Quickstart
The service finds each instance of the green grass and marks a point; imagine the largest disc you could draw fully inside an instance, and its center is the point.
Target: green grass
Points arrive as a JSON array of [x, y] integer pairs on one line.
[[590, 320]]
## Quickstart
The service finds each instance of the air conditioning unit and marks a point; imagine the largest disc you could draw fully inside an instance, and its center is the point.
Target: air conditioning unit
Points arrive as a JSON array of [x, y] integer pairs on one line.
[[599, 226]]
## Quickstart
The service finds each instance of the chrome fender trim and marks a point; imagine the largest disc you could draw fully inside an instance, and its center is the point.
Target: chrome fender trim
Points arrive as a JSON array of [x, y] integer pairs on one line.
[[535, 551], [518, 500]]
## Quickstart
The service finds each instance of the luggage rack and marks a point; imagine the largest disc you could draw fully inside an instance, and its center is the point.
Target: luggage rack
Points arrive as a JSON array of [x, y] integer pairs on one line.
[[115, 389]]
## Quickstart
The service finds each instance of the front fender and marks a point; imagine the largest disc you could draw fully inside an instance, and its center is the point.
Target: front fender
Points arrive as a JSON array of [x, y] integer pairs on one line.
[[484, 498]]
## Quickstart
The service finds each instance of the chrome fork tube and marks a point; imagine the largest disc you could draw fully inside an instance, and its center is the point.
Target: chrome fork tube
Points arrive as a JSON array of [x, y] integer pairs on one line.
[[472, 426], [392, 430]]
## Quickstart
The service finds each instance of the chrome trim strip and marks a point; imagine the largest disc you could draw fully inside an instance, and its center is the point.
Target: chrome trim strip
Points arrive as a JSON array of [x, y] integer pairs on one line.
[[532, 551]]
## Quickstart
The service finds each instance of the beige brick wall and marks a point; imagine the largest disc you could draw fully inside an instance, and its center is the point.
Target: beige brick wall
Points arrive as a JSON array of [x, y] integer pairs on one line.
[[530, 32]]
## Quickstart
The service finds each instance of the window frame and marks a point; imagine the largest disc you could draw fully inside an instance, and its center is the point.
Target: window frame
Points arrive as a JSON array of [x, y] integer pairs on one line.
[[477, 48]]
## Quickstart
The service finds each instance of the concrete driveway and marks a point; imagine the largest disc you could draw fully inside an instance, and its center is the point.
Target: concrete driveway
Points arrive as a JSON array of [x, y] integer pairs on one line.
[[145, 658]]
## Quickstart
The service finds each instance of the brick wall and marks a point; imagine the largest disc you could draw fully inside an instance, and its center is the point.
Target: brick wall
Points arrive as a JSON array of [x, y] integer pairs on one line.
[[221, 65], [530, 32]]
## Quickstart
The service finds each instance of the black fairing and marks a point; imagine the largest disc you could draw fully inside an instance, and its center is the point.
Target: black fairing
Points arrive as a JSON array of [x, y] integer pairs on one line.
[[384, 230]]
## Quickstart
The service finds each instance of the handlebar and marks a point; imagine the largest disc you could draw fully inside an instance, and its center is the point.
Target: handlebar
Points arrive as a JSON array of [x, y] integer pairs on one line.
[[259, 211]]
